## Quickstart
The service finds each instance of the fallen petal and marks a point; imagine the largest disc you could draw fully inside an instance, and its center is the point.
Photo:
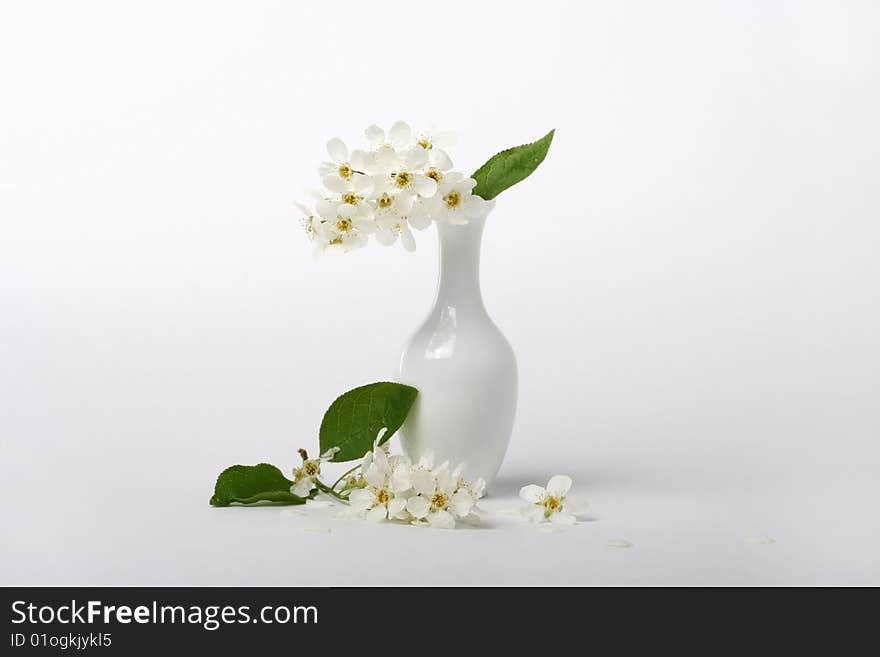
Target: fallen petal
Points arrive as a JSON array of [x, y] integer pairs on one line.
[[760, 540]]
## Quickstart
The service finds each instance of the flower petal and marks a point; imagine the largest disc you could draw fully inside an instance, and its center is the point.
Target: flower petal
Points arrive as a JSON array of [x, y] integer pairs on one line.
[[335, 184], [461, 504], [559, 485], [479, 487], [575, 504], [407, 239], [386, 236], [473, 207], [377, 514], [426, 460], [303, 487], [401, 478], [374, 476], [532, 493], [360, 160], [424, 186], [416, 158], [361, 184], [450, 179], [441, 520], [533, 513], [403, 203], [418, 506], [395, 506], [439, 159], [326, 209], [563, 518], [347, 210], [380, 460], [375, 134], [361, 499], [467, 184], [472, 519], [337, 150], [400, 135], [423, 482], [419, 220]]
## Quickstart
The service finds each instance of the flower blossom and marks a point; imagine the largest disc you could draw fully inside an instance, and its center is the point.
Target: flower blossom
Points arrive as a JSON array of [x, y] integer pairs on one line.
[[550, 503], [304, 476], [403, 180]]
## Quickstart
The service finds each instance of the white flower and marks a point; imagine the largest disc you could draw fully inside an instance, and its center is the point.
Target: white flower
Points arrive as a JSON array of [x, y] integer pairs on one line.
[[387, 481], [399, 136], [312, 224], [385, 156], [435, 139], [455, 203], [344, 228], [305, 475], [438, 498], [475, 490], [392, 214], [426, 461], [339, 166], [355, 192], [435, 144], [404, 176], [549, 503], [437, 165]]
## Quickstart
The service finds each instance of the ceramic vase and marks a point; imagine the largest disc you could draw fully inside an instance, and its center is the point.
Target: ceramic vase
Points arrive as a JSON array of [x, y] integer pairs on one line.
[[463, 366]]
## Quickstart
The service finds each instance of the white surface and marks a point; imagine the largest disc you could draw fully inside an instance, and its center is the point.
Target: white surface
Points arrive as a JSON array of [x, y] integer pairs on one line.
[[696, 259], [462, 365]]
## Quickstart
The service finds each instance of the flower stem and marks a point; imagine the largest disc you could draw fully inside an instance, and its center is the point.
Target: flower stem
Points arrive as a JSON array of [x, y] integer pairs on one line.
[[344, 475], [326, 489]]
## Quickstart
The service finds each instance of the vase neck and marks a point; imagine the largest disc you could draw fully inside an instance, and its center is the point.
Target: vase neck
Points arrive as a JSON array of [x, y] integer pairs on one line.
[[458, 284]]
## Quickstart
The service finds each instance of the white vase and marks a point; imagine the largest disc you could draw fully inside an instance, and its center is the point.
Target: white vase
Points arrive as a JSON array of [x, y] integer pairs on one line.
[[462, 365]]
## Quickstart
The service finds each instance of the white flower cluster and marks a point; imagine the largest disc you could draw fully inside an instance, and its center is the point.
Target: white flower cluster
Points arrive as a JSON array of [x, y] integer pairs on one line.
[[403, 180], [394, 488]]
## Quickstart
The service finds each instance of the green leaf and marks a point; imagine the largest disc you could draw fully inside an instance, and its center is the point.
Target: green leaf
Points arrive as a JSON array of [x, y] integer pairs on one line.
[[509, 167], [247, 484], [355, 419]]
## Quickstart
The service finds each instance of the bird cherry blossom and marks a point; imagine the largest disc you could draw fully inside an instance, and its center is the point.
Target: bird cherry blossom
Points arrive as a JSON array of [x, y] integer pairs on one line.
[[305, 475], [550, 503], [403, 180]]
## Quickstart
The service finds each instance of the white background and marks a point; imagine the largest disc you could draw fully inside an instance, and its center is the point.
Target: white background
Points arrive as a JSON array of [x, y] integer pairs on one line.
[[690, 282]]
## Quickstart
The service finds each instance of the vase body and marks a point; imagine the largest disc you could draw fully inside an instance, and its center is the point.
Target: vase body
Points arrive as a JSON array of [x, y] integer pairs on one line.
[[462, 365]]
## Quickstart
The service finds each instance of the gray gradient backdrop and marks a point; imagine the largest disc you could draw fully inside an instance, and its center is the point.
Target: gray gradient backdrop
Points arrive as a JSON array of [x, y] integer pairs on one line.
[[690, 282]]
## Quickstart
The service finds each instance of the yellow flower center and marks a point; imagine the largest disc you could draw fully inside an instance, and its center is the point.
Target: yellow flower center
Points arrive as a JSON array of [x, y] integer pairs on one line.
[[349, 198], [382, 496], [439, 501], [452, 199], [344, 171], [403, 178], [336, 240], [434, 175], [312, 467], [385, 201], [551, 503], [424, 143], [343, 224]]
